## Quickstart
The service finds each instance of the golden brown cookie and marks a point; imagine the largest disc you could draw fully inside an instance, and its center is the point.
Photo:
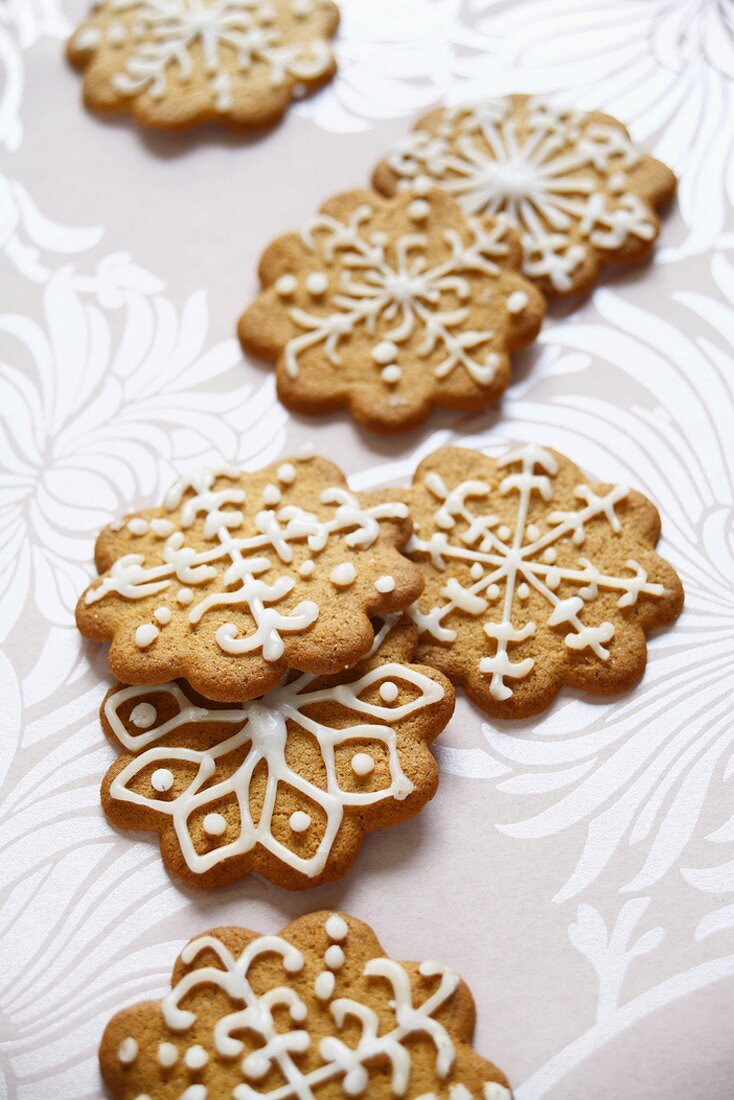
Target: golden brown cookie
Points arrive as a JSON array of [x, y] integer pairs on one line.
[[238, 577], [391, 307], [288, 784], [317, 1012], [177, 63], [571, 183], [535, 577]]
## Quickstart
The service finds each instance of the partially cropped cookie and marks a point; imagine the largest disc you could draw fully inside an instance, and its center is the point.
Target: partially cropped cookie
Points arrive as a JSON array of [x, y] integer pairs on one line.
[[317, 1011], [572, 183], [177, 63], [238, 577], [535, 577], [288, 784], [390, 307]]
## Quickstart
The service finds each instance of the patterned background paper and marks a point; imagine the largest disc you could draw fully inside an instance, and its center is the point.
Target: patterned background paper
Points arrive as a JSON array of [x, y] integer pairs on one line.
[[578, 868]]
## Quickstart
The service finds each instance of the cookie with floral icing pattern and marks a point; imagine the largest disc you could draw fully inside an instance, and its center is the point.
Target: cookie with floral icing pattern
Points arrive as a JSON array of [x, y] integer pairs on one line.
[[239, 577], [535, 577], [391, 307], [288, 784], [572, 183], [177, 63], [316, 1012]]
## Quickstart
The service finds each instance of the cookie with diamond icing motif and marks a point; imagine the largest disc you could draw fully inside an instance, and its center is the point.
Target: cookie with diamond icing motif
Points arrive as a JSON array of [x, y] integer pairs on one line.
[[571, 183], [391, 307], [536, 577], [288, 784], [177, 63], [239, 577], [316, 1012]]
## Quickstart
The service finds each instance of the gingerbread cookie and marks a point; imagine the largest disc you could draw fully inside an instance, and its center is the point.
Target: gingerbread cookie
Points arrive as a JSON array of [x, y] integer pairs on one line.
[[573, 185], [535, 577], [317, 1011], [391, 307], [238, 577], [287, 785], [176, 63]]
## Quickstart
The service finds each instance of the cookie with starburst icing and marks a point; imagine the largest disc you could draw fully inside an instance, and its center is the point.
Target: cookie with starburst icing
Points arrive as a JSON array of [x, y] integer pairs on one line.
[[391, 307], [572, 184], [316, 1012], [535, 577], [288, 784], [238, 577], [177, 63]]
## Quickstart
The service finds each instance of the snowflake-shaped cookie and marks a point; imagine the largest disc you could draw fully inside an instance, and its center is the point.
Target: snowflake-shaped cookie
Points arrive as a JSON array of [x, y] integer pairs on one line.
[[315, 1011], [535, 577], [176, 63], [288, 784], [390, 307], [572, 184], [238, 577]]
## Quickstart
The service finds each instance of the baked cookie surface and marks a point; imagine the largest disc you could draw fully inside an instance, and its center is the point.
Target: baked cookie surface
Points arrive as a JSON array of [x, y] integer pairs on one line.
[[177, 63], [535, 577], [317, 1012], [238, 577], [391, 307], [287, 785], [571, 183]]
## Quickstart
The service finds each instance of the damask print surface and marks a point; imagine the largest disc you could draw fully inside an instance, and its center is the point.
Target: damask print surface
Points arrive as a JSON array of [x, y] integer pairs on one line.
[[577, 868]]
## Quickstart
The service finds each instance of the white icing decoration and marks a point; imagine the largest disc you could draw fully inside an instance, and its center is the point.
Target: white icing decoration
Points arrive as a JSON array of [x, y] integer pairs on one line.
[[127, 1051], [167, 1055], [271, 494], [259, 730], [306, 452], [306, 568], [161, 780], [299, 821], [215, 824], [385, 584], [286, 286], [138, 526], [343, 574], [517, 301], [338, 1061], [362, 764], [238, 559], [143, 716], [196, 1057], [184, 596], [389, 691], [324, 985], [162, 615], [520, 564], [194, 1092], [334, 957], [559, 184], [336, 927], [161, 527], [379, 282], [384, 352], [418, 210], [317, 283], [391, 374]]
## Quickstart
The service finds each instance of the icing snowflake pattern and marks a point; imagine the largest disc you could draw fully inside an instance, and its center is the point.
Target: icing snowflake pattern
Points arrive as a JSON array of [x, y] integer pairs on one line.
[[214, 559], [161, 48], [394, 1014], [150, 780], [526, 572], [572, 184]]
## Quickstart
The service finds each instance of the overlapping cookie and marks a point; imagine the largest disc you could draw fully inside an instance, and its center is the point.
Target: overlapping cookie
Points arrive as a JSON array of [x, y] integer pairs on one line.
[[535, 577], [177, 63], [572, 184], [286, 785], [391, 307], [317, 1011], [238, 577]]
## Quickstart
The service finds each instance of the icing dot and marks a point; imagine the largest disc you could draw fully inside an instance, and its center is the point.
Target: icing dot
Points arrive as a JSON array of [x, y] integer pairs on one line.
[[523, 591], [87, 39], [299, 821], [504, 531], [194, 1092], [162, 615], [127, 1051], [167, 1055], [616, 182], [553, 578], [418, 210], [138, 526], [389, 691], [161, 780], [344, 574], [324, 985], [143, 715], [317, 283], [362, 763], [517, 301], [336, 927], [533, 532], [476, 571], [384, 352], [306, 568], [214, 824], [161, 527], [550, 555], [116, 34], [196, 1057], [391, 374], [302, 8], [286, 473], [286, 285], [184, 596], [304, 453], [385, 584], [422, 185], [271, 494], [492, 592], [145, 635], [116, 525], [334, 957]]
